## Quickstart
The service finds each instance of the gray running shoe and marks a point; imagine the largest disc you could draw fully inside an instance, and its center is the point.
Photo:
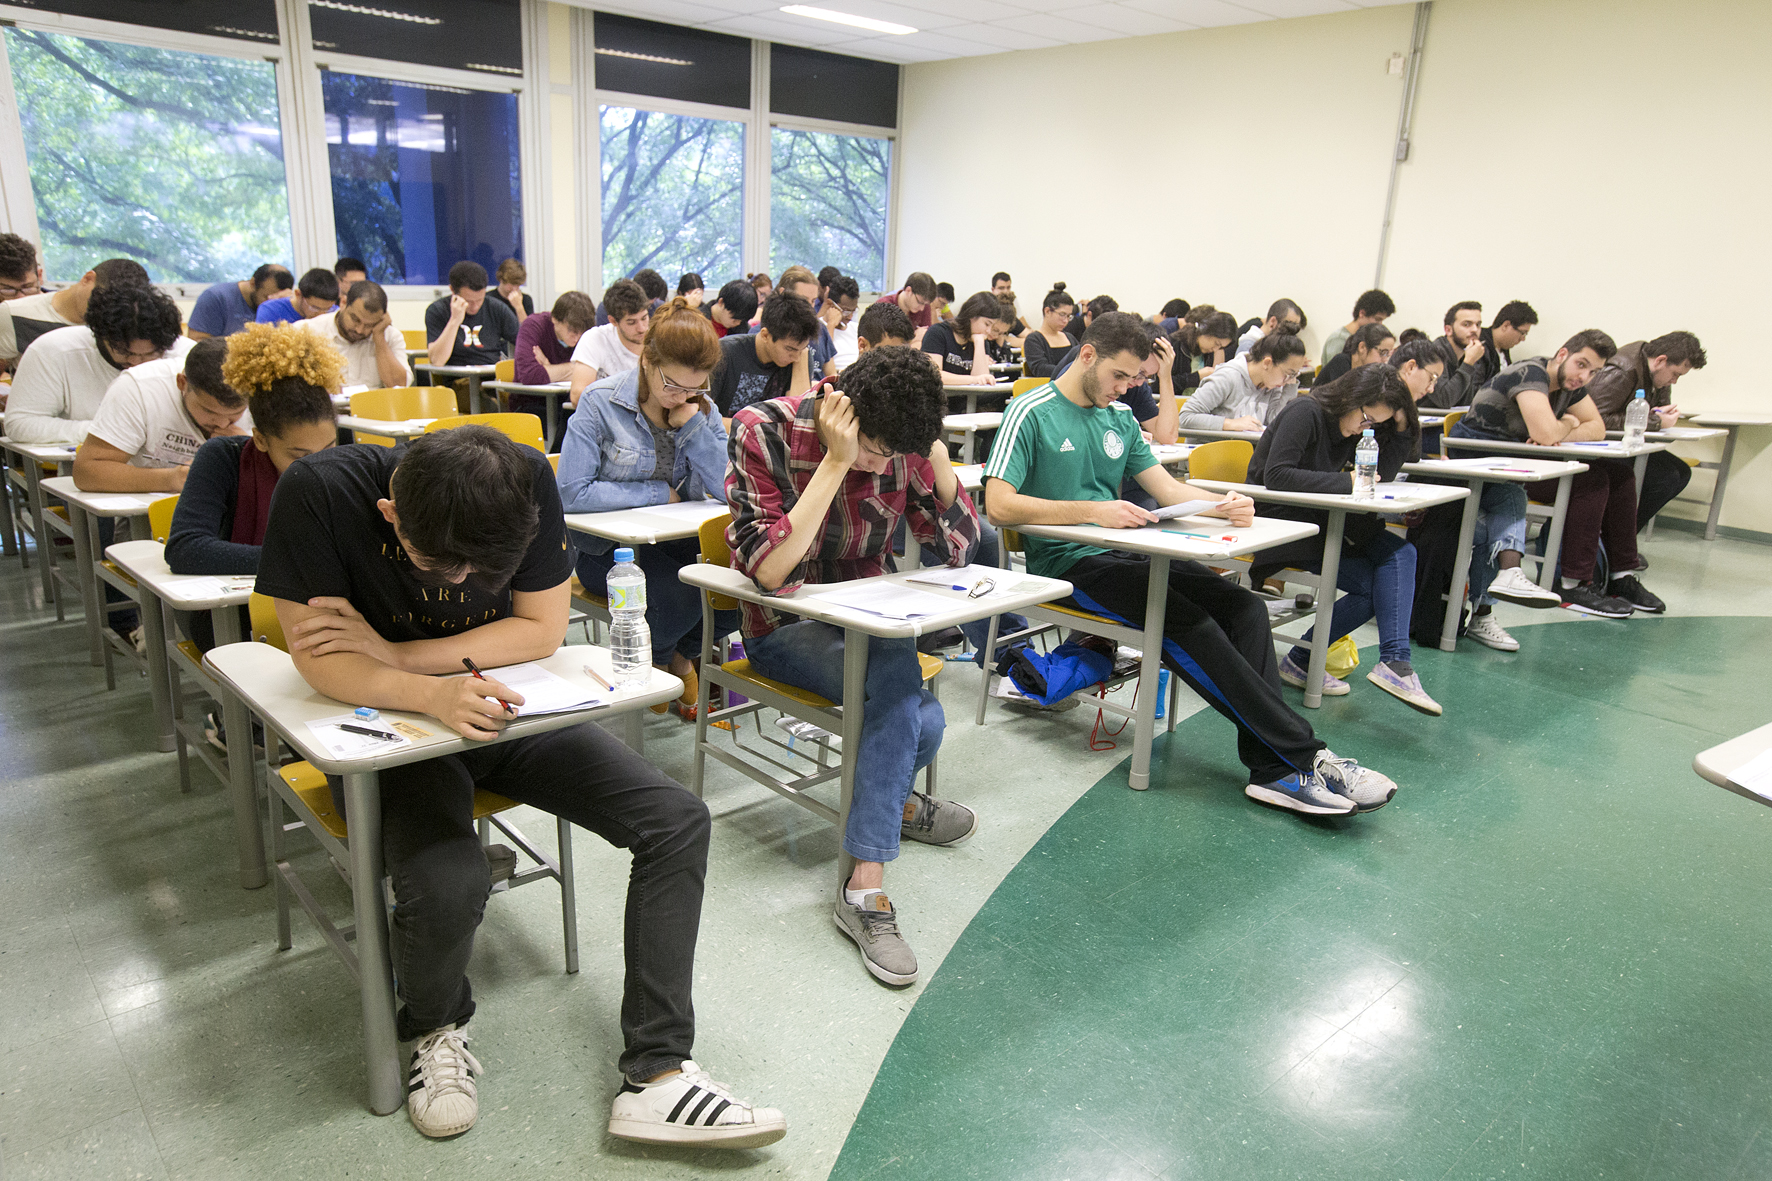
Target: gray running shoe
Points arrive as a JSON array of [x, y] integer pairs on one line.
[[1302, 793], [884, 953], [937, 822]]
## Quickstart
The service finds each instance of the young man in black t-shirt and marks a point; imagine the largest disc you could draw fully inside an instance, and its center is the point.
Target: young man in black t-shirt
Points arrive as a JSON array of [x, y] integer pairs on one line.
[[464, 327], [771, 362], [387, 569]]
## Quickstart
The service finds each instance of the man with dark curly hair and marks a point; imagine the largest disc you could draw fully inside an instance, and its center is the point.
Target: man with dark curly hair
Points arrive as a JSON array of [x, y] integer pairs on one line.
[[63, 377], [817, 485]]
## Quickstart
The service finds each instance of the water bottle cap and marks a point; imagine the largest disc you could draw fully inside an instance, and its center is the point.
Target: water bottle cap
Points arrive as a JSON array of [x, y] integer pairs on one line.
[[624, 554], [1641, 394], [1367, 433]]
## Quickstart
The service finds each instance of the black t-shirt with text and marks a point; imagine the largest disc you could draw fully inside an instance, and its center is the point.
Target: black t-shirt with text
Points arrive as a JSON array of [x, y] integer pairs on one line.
[[327, 537], [954, 354]]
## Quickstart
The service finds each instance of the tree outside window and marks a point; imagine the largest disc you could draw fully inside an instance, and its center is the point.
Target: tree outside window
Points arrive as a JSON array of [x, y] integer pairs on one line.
[[673, 194], [172, 159], [827, 203]]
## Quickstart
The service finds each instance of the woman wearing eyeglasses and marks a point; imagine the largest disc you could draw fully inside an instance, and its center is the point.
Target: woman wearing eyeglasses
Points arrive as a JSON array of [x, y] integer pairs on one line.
[[1308, 448], [645, 437], [1048, 342]]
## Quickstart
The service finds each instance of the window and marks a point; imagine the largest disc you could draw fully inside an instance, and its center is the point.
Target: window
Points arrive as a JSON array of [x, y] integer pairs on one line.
[[827, 203], [666, 61], [484, 35], [173, 159], [816, 85], [423, 176], [673, 194]]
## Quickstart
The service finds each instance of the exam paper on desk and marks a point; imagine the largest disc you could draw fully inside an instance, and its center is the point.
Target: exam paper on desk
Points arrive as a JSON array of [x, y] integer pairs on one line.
[[543, 692], [1755, 775], [887, 600]]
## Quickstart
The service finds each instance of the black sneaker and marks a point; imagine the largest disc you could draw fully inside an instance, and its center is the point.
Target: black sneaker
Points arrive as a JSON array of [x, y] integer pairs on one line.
[[1588, 600], [1636, 594]]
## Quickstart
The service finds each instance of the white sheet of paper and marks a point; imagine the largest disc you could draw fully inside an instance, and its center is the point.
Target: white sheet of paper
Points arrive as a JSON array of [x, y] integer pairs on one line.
[[543, 692], [344, 745], [887, 600], [948, 577], [1481, 461], [219, 585], [1755, 774], [1185, 509], [348, 390]]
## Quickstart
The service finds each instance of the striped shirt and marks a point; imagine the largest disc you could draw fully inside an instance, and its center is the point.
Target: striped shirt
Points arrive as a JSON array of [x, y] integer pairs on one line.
[[775, 450]]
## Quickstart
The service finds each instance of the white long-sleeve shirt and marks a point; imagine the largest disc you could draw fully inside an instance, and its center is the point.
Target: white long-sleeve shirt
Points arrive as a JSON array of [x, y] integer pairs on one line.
[[60, 383]]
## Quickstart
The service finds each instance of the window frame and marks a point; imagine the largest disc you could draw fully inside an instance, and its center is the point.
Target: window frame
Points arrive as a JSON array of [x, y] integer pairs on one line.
[[759, 124], [20, 202]]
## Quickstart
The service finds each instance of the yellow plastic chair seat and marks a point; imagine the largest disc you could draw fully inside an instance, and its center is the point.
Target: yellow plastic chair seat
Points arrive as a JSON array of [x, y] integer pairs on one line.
[[1080, 614], [742, 668], [309, 785], [190, 649], [113, 568]]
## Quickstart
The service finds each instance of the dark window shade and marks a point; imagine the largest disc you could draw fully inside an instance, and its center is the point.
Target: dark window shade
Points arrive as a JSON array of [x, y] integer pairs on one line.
[[817, 85], [423, 176], [481, 35], [667, 61], [252, 20]]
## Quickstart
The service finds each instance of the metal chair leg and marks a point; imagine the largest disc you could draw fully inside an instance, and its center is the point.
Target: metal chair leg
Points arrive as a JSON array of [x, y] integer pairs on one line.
[[568, 894]]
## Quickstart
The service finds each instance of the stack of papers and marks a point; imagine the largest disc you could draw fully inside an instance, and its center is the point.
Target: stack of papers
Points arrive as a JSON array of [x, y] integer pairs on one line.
[[217, 586], [347, 744], [888, 600], [1185, 509]]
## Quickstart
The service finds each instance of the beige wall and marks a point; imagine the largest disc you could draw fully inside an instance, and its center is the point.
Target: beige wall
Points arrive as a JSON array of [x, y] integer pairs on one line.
[[1551, 141]]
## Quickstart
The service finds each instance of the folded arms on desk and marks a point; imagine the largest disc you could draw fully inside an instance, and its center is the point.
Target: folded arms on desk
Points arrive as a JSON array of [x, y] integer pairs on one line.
[[1008, 506]]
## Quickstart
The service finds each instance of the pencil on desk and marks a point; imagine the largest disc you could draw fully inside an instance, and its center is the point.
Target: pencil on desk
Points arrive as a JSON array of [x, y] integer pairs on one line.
[[592, 673]]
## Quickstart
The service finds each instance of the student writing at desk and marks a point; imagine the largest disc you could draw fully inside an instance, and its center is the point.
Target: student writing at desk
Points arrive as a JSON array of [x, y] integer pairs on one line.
[[1309, 448], [1544, 400], [1062, 454], [388, 568]]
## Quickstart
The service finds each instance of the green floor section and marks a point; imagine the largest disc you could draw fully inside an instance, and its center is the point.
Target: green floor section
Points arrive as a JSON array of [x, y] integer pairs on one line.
[[1546, 958]]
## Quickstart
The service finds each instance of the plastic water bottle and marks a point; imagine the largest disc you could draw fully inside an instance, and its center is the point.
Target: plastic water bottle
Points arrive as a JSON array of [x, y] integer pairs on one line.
[[1366, 466], [1636, 419], [630, 640]]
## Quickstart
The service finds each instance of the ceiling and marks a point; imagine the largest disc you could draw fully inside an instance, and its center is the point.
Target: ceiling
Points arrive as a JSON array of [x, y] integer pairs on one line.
[[967, 28]]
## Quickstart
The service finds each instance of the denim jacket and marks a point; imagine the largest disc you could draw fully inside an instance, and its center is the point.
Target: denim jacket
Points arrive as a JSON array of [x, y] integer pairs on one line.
[[607, 459]]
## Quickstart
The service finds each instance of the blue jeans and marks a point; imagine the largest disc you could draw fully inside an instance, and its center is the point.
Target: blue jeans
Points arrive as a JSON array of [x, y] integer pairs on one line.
[[901, 723], [1379, 578], [673, 607], [1501, 525]]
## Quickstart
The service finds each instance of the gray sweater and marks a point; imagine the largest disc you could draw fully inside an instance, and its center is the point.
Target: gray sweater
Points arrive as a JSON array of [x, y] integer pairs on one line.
[[1231, 393]]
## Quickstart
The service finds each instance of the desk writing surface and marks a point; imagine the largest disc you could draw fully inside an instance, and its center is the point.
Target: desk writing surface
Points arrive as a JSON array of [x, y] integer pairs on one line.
[[45, 452], [1173, 538], [1599, 449], [402, 428], [103, 504], [648, 524], [459, 370], [1519, 471], [266, 679], [1013, 592], [981, 420], [145, 561], [1720, 761], [1732, 418], [1402, 498]]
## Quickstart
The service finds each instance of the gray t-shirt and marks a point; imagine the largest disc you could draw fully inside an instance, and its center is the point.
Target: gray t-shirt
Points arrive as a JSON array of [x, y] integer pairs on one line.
[[664, 445], [1495, 411]]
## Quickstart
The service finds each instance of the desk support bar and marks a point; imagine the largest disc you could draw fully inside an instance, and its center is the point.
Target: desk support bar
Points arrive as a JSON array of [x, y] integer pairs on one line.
[[381, 1047]]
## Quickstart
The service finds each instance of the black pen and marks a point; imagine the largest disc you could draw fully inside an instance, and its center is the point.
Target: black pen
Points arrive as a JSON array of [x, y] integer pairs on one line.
[[350, 729]]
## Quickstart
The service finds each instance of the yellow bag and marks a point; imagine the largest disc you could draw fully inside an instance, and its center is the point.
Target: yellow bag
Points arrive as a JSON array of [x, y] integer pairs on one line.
[[1343, 657]]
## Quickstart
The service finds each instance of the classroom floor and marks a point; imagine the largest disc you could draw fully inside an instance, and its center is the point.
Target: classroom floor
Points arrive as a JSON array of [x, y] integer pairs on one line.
[[1544, 958]]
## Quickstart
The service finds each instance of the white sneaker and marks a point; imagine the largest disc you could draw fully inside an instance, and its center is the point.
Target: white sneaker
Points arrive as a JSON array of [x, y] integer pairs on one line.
[[440, 1094], [1484, 630], [691, 1108], [1368, 789], [1514, 587], [1294, 674]]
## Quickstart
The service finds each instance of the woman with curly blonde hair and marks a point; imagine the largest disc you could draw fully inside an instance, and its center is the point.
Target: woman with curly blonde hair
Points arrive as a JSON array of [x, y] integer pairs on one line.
[[288, 377]]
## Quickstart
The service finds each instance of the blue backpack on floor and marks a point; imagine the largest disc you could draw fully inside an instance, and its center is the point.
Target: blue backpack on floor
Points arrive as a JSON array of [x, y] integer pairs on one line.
[[1048, 677]]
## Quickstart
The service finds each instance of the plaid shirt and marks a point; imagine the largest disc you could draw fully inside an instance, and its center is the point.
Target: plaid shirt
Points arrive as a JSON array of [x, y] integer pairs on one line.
[[775, 451]]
